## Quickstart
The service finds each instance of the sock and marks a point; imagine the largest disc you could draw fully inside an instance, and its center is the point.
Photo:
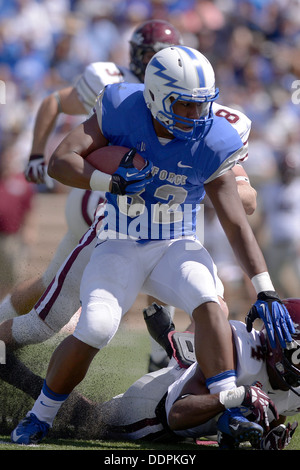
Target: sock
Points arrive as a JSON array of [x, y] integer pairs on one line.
[[48, 404], [223, 381], [7, 310]]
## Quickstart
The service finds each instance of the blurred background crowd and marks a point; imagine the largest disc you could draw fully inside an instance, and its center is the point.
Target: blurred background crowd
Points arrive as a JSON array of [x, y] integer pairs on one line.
[[254, 47]]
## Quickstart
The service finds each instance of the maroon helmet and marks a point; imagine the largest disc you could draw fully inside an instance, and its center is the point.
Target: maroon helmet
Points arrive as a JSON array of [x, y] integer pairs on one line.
[[152, 36], [283, 362]]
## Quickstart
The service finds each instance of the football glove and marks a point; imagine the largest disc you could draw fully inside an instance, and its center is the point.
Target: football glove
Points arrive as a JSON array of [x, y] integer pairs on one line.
[[36, 171], [259, 403], [128, 179], [279, 437], [275, 316]]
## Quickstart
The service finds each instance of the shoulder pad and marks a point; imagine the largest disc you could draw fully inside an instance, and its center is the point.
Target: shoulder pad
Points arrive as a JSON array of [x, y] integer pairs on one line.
[[238, 120], [94, 78], [104, 73]]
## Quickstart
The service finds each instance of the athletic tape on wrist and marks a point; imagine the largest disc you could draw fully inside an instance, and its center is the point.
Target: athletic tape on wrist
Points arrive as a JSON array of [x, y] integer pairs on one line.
[[262, 282], [100, 181], [232, 398]]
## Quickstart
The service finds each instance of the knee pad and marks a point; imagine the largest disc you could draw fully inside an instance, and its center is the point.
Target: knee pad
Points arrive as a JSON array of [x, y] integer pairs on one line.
[[98, 325], [30, 329]]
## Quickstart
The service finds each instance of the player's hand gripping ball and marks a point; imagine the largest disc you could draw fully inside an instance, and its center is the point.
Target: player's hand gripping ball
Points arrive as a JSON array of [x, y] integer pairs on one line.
[[130, 172]]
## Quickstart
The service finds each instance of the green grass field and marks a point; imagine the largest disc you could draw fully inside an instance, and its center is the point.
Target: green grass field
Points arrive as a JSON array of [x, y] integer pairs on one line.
[[113, 370]]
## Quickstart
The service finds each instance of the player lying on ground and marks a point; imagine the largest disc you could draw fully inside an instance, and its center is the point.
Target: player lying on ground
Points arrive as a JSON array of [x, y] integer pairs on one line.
[[174, 403]]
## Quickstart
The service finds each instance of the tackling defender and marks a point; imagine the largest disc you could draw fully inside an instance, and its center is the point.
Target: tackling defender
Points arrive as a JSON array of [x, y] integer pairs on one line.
[[171, 123]]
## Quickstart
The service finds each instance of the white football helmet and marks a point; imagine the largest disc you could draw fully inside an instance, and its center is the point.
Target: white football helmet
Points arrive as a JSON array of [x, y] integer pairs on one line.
[[180, 73]]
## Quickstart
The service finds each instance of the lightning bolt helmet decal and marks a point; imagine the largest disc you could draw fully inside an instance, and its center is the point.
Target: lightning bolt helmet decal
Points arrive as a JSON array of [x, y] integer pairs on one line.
[[180, 73]]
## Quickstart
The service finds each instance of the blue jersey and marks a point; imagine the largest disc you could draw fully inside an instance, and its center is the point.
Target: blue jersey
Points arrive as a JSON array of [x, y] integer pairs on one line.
[[167, 207]]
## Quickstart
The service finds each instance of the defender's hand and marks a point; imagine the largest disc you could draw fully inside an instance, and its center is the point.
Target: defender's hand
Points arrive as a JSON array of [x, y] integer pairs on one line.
[[36, 171], [259, 403]]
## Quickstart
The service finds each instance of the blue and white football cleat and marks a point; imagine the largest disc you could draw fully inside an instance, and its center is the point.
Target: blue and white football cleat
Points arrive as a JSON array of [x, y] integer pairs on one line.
[[234, 428], [30, 431]]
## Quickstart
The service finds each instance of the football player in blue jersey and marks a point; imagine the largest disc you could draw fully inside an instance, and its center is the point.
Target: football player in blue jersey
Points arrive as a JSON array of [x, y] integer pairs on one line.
[[79, 99], [148, 238]]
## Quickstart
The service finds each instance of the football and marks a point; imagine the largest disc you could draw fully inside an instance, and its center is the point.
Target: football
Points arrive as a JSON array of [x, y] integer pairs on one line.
[[107, 159]]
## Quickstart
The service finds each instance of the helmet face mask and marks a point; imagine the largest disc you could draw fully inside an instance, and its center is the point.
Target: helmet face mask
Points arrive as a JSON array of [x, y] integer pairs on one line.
[[193, 128], [284, 364], [180, 74], [150, 37]]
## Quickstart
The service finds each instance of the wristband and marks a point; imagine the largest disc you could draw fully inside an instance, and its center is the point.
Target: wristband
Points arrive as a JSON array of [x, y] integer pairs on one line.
[[232, 398], [262, 282], [100, 181]]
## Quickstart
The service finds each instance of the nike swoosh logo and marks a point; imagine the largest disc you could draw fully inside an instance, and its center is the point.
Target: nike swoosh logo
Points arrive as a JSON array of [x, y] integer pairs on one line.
[[44, 404], [136, 175], [234, 426], [181, 165]]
